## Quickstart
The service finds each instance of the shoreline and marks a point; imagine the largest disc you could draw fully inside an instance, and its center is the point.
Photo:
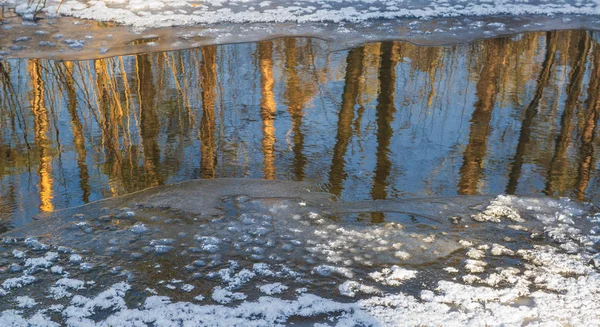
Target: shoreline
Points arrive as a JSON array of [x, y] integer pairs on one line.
[[68, 38]]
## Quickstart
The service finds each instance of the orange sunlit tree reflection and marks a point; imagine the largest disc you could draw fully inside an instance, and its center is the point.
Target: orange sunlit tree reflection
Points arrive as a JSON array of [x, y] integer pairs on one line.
[[507, 115]]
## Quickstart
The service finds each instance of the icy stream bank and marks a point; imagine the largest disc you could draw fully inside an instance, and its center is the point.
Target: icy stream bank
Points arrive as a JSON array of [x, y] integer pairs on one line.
[[249, 252], [81, 29]]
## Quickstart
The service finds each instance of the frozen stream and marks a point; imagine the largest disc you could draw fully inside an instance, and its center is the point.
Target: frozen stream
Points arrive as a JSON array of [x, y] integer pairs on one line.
[[322, 180], [253, 252], [84, 29]]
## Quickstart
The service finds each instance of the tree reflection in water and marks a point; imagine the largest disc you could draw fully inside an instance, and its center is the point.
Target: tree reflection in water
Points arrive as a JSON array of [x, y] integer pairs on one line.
[[515, 115]]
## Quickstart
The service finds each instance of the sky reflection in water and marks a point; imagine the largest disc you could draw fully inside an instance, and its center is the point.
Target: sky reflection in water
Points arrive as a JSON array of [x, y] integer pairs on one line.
[[506, 115]]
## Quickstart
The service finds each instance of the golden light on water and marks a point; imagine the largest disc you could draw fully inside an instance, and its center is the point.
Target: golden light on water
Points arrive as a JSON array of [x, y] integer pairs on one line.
[[391, 119], [268, 107], [41, 128]]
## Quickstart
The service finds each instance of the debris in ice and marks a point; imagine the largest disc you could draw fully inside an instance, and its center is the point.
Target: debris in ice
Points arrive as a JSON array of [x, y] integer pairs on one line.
[[499, 250], [34, 244], [86, 266], [44, 262], [262, 269], [64, 249], [75, 258], [18, 282], [164, 241], [233, 280], [187, 287], [156, 301], [81, 308], [503, 275], [499, 208], [471, 279], [162, 249], [224, 296], [56, 308], [68, 283], [475, 266], [58, 292], [559, 263], [451, 270], [393, 276], [14, 268], [402, 255], [475, 254], [351, 288], [25, 302], [274, 288], [326, 270], [139, 228]]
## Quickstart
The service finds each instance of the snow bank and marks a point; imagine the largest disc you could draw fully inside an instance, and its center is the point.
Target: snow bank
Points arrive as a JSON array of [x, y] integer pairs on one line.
[[161, 13]]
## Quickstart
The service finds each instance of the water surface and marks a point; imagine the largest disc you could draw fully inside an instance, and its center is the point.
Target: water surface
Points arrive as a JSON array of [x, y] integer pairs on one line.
[[384, 120]]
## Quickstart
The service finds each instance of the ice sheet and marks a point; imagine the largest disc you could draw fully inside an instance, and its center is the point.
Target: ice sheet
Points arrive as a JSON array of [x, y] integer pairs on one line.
[[253, 252]]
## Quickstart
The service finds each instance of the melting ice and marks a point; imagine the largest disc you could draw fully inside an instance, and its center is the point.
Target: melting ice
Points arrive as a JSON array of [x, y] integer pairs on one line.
[[344, 23], [251, 252], [170, 12]]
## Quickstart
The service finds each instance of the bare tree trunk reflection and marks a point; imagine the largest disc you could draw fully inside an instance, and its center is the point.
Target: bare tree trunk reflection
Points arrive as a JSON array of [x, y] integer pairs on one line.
[[109, 123], [267, 107], [354, 70], [295, 101], [385, 115], [208, 122], [557, 174], [42, 125], [149, 123], [531, 112], [77, 130], [586, 151], [486, 91]]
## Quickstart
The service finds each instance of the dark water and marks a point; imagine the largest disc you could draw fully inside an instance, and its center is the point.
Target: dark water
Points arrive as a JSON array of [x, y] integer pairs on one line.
[[385, 120]]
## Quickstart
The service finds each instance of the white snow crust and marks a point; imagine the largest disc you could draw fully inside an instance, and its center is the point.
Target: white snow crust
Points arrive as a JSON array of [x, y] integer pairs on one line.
[[161, 13], [549, 286]]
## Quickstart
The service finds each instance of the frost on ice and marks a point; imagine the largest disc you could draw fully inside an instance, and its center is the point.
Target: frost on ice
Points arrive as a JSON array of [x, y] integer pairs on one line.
[[66, 30], [171, 12], [261, 253]]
